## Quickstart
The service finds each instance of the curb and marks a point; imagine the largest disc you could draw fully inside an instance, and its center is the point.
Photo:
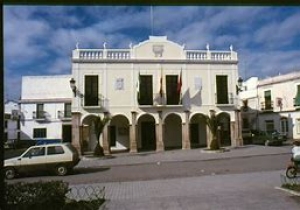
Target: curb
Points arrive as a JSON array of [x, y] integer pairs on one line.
[[292, 192]]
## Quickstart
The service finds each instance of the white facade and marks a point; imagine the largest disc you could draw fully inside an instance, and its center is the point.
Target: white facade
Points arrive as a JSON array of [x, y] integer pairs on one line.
[[44, 108], [115, 79], [276, 102], [11, 120]]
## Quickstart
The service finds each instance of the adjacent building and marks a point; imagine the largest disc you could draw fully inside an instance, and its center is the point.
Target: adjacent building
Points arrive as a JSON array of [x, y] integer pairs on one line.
[[272, 104], [156, 95], [11, 122], [45, 108]]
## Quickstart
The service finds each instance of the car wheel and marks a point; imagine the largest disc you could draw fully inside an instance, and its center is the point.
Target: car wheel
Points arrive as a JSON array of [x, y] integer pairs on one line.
[[61, 170], [291, 172], [10, 173]]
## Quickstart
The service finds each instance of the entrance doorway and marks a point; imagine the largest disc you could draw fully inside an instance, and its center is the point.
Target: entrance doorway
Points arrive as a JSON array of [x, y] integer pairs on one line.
[[67, 133], [148, 135]]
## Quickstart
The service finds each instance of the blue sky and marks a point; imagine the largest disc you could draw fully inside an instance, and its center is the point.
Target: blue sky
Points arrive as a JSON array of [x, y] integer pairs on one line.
[[38, 40]]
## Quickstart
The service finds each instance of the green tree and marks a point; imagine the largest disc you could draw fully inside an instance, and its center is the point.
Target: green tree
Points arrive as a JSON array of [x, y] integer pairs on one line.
[[99, 126]]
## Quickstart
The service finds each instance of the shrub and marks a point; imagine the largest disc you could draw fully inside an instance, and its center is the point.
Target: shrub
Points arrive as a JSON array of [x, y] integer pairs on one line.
[[37, 195], [49, 195], [294, 186]]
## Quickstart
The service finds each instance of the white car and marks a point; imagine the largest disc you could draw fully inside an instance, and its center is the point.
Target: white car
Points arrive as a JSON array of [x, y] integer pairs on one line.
[[59, 158]]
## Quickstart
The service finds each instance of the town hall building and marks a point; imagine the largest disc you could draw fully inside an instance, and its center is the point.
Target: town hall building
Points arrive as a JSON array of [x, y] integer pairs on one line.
[[156, 95]]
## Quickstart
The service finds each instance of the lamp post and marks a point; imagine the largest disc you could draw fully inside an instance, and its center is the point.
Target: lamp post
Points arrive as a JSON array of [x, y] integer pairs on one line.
[[239, 85], [239, 138]]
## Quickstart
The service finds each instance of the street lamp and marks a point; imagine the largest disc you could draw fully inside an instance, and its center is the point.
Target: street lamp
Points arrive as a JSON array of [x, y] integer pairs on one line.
[[239, 85], [73, 86]]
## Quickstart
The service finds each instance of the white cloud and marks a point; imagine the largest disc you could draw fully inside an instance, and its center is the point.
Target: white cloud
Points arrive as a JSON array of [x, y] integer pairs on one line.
[[40, 40]]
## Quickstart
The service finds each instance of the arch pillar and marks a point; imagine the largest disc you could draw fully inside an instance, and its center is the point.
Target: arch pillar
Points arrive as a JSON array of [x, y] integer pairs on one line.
[[105, 136], [186, 142], [208, 137], [238, 131], [76, 131], [159, 134], [106, 145], [133, 142]]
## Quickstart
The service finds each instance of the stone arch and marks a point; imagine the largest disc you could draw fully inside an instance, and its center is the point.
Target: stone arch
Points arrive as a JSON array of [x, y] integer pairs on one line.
[[146, 132], [118, 133], [172, 113], [172, 135], [223, 119], [198, 130]]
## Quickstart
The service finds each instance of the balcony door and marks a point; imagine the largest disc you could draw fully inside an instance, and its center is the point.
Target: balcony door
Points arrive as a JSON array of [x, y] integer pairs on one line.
[[145, 96], [222, 89], [91, 92]]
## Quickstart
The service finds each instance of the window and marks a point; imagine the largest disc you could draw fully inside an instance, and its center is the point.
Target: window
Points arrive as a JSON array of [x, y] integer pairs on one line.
[[284, 126], [146, 90], [37, 151], [222, 89], [268, 101], [173, 95], [39, 133], [40, 111], [91, 91], [298, 125], [269, 126], [297, 98], [68, 113], [55, 150]]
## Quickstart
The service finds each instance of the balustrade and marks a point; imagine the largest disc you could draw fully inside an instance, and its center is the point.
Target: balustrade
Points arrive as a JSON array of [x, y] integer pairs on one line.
[[124, 54]]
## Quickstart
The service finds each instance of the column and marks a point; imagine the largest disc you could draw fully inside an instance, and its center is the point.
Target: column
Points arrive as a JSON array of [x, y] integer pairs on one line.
[[208, 137], [133, 139], [186, 143], [159, 134], [238, 120], [76, 137], [105, 136], [106, 145]]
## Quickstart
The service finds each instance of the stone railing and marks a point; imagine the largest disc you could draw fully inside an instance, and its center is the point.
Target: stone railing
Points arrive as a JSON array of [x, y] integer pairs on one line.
[[127, 54], [211, 55], [97, 54]]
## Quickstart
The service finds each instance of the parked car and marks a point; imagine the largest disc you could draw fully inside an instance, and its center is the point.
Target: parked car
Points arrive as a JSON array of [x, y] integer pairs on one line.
[[269, 139], [59, 158]]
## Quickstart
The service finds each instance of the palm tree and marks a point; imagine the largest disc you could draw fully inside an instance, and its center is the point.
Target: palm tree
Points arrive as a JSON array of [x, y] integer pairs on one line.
[[99, 126], [212, 123]]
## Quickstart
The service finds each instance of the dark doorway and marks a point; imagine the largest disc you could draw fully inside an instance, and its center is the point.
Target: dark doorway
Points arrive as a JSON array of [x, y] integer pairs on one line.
[[148, 136], [67, 133], [112, 135], [194, 132]]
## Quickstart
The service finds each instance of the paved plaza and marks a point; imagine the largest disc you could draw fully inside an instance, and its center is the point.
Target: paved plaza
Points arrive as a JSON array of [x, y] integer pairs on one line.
[[230, 191]]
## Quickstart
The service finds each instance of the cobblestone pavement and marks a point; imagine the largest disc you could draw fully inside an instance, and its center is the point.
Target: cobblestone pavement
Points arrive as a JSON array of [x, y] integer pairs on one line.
[[231, 191], [236, 191]]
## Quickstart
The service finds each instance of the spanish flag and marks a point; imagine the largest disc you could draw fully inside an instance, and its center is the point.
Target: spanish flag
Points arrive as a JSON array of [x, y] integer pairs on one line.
[[161, 92]]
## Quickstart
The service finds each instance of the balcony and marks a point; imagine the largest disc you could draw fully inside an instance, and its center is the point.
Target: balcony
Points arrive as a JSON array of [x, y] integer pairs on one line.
[[40, 116], [64, 116], [230, 101], [102, 103], [158, 100], [267, 106]]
